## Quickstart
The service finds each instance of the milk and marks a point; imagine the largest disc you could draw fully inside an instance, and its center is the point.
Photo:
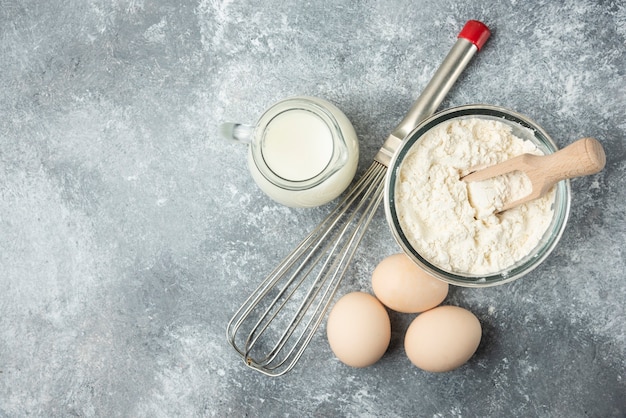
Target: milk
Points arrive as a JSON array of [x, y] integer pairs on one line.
[[298, 145], [304, 152]]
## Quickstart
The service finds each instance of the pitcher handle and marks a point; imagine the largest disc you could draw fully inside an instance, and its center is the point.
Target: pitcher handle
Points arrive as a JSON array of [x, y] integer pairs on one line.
[[237, 132]]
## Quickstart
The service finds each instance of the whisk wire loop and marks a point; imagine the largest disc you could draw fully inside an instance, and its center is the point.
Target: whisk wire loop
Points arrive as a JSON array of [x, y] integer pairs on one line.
[[308, 278]]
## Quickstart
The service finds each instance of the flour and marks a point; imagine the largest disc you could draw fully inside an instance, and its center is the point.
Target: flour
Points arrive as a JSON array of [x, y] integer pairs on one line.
[[489, 196], [452, 223]]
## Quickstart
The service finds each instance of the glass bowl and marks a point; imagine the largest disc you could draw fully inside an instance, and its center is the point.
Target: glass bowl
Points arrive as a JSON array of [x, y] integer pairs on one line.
[[522, 127]]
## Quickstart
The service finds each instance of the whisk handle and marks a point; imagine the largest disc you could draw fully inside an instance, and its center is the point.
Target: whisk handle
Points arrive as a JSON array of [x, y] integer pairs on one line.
[[471, 38], [466, 45]]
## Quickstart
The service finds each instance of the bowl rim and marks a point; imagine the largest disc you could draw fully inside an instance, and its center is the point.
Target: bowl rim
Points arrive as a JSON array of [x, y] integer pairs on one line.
[[520, 268]]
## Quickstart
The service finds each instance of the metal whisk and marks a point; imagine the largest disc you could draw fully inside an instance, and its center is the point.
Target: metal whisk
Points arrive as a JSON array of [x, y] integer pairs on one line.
[[275, 324]]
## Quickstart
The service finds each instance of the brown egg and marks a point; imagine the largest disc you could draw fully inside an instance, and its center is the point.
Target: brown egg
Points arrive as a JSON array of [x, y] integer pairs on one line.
[[404, 287], [358, 329], [442, 338]]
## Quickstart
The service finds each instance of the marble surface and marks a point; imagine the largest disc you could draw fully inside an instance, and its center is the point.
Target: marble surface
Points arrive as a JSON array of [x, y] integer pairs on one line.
[[130, 232]]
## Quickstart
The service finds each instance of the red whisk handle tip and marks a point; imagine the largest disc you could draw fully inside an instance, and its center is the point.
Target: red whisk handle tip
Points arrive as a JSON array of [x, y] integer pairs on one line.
[[476, 32]]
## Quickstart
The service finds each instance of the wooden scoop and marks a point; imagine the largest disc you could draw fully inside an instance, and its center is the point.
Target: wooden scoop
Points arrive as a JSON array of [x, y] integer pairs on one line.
[[583, 157]]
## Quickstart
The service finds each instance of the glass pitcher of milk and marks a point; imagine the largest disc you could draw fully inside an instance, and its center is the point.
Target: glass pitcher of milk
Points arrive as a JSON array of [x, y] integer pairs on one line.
[[303, 151]]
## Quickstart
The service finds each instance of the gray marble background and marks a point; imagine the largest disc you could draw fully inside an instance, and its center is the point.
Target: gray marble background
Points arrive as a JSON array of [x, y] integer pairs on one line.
[[130, 232]]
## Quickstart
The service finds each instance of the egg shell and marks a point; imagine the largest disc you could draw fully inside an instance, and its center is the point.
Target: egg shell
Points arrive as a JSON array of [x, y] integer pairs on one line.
[[403, 286], [443, 338], [358, 329]]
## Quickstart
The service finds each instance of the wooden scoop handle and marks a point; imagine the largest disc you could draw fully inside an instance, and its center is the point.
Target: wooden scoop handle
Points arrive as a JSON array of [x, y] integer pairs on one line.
[[583, 157]]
